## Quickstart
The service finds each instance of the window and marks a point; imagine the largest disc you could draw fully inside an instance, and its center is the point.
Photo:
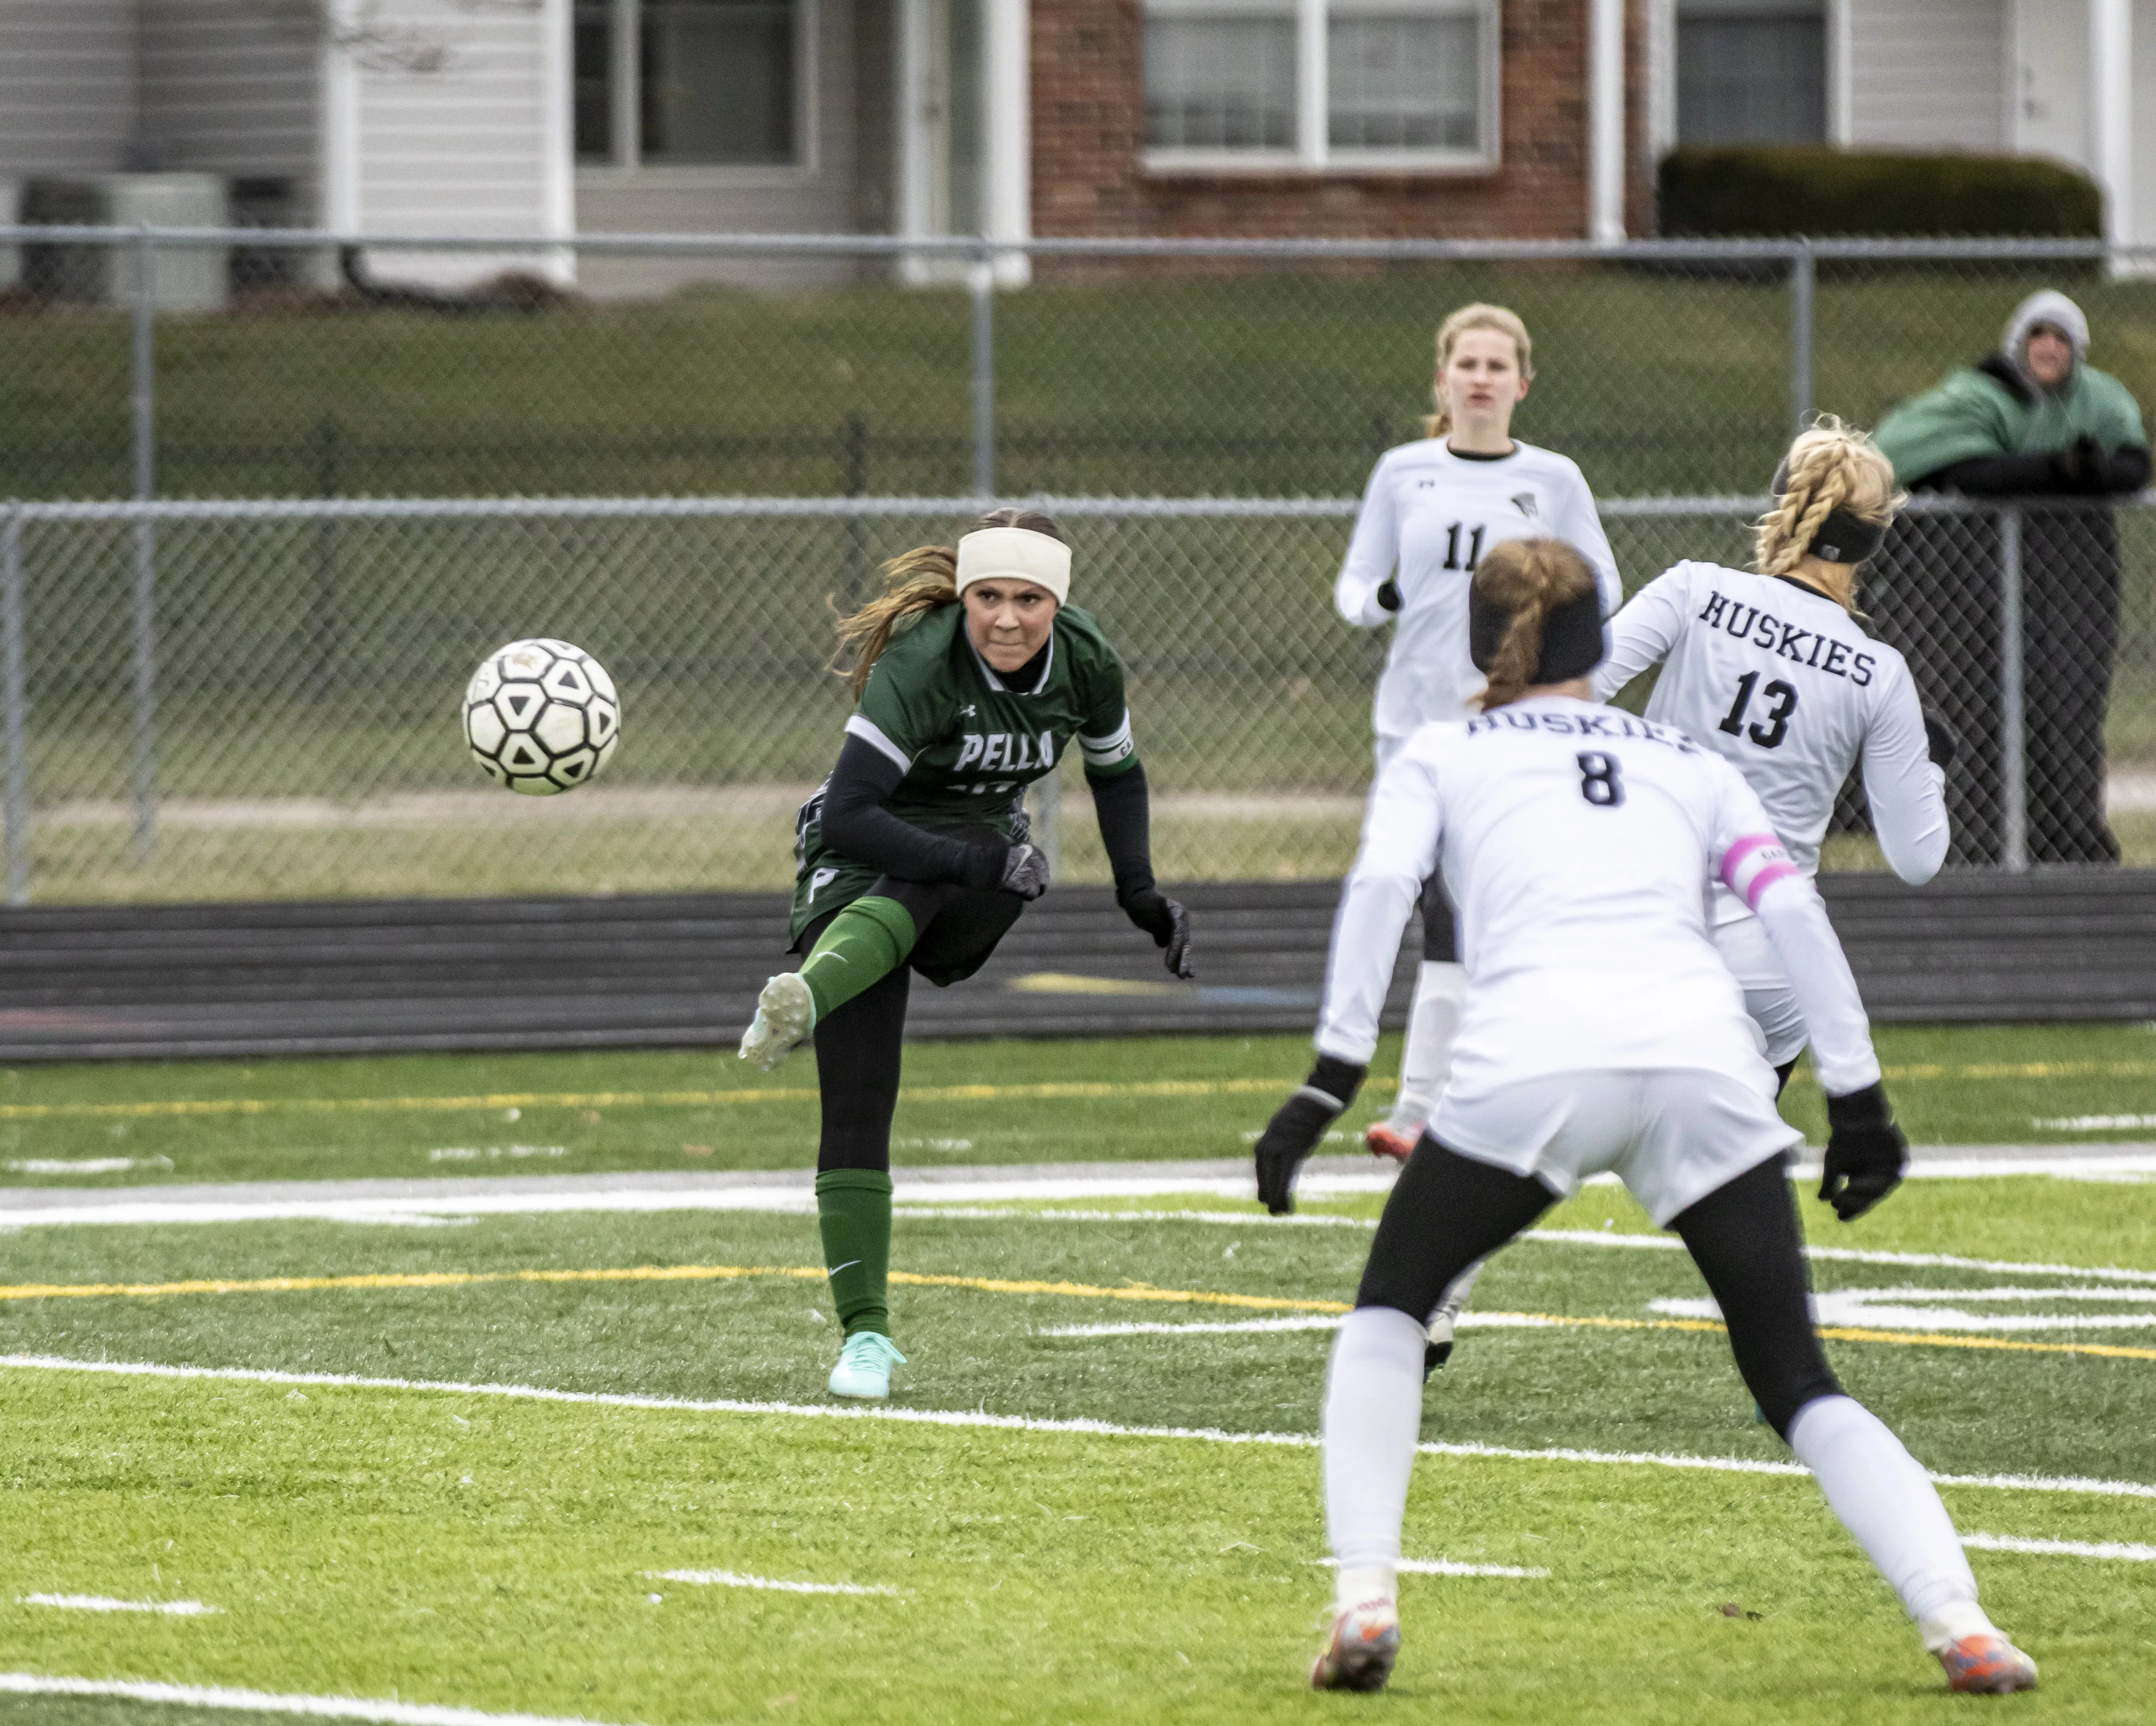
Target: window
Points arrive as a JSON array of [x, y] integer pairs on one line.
[[1309, 83], [689, 83], [1751, 72]]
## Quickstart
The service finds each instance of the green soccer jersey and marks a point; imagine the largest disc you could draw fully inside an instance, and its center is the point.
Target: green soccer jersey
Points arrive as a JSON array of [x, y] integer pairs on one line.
[[969, 743]]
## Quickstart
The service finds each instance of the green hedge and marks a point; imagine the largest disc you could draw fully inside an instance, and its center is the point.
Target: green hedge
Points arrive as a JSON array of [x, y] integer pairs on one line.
[[1761, 191]]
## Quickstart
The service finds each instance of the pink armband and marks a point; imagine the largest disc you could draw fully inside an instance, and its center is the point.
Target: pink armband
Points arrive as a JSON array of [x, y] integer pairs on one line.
[[1754, 864]]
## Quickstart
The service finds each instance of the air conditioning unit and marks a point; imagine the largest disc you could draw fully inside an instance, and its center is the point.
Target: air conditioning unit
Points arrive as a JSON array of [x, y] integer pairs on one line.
[[182, 278]]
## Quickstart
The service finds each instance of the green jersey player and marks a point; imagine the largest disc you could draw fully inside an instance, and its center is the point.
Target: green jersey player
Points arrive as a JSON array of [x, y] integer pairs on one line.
[[972, 675]]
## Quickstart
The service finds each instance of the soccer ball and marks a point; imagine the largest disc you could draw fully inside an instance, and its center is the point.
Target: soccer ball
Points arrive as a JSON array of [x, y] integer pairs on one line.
[[542, 716]]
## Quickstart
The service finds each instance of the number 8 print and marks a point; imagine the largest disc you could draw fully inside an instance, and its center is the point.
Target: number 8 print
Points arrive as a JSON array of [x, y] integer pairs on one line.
[[1600, 781]]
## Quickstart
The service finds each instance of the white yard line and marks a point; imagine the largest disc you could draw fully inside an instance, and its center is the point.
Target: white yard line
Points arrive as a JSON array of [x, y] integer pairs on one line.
[[1466, 1321], [970, 1418], [2127, 1550], [263, 1702], [104, 1603], [734, 1578], [30, 1208], [1447, 1567]]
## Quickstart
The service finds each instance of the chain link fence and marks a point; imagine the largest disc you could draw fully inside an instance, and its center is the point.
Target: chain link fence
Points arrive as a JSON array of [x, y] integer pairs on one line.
[[254, 362], [258, 699]]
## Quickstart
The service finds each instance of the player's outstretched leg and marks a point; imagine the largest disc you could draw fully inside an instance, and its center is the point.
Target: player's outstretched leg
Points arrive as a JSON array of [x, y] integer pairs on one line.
[[863, 944], [1744, 1237]]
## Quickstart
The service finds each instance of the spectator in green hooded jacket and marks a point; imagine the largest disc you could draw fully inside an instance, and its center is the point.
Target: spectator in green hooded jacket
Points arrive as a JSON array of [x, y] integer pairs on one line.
[[2036, 422]]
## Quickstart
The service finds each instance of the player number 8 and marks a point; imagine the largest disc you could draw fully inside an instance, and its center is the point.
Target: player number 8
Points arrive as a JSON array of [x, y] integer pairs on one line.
[[1600, 783]]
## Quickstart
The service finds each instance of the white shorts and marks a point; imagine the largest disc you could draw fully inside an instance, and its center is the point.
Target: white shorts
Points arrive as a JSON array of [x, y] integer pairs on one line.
[[1672, 1134], [1752, 960]]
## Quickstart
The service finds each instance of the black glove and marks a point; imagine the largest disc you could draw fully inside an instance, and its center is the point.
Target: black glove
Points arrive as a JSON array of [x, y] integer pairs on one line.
[[1866, 1152], [1388, 594], [1942, 741], [1298, 1124], [1167, 922], [1025, 871], [2082, 466]]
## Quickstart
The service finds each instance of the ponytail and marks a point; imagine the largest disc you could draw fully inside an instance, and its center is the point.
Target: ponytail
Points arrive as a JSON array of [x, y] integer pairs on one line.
[[1477, 316], [1525, 583], [915, 584]]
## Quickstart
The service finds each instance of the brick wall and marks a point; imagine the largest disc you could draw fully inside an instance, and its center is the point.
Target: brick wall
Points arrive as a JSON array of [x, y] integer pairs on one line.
[[1088, 142]]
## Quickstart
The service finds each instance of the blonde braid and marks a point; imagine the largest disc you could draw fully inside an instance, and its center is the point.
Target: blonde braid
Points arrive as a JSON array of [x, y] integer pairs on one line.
[[1529, 578], [1830, 466]]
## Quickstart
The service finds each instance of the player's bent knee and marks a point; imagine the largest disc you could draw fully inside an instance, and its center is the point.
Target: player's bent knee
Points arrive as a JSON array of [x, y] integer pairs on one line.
[[1782, 1390]]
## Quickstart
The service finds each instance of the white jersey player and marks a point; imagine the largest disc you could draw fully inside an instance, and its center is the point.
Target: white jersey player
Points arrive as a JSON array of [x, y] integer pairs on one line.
[[1771, 671], [1429, 512], [1601, 1032]]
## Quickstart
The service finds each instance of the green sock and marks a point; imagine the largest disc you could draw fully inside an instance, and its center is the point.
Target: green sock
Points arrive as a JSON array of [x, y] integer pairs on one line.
[[865, 943], [853, 1212]]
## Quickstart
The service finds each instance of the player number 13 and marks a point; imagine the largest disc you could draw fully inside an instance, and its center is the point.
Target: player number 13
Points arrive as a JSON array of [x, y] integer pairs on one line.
[[1768, 736]]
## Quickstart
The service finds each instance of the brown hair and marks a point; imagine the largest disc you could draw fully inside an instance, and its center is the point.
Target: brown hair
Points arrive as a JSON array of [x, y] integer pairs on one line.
[[1830, 466], [915, 584], [1477, 316], [1527, 579]]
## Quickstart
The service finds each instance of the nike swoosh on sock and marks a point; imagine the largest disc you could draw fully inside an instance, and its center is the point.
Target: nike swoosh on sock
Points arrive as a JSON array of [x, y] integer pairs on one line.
[[834, 1270]]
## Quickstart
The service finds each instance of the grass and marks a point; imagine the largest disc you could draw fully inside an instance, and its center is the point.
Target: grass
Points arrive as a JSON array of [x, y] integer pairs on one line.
[[1274, 381], [455, 1547], [445, 1546], [418, 1115]]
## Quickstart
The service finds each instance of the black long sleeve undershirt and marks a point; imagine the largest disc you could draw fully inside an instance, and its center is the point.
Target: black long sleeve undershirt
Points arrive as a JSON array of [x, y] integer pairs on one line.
[[2023, 476], [855, 821], [1122, 806]]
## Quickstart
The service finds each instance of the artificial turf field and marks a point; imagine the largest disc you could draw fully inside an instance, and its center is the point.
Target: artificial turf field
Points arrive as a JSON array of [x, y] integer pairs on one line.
[[354, 1470]]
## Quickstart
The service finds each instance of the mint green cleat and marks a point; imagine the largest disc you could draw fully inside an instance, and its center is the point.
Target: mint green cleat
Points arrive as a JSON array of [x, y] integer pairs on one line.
[[785, 1014], [865, 1364]]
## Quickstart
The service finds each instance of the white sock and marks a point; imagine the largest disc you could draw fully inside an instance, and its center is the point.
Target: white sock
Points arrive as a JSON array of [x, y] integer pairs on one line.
[[1371, 1423], [1426, 1061], [1882, 1496], [1454, 1300]]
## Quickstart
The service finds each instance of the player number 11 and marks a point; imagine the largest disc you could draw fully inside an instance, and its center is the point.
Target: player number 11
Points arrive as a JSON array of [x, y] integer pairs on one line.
[[1452, 546]]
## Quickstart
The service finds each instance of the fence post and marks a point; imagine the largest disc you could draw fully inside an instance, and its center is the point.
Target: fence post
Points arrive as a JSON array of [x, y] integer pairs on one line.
[[15, 787], [322, 620], [2013, 718], [853, 442], [144, 365], [1803, 277], [981, 282]]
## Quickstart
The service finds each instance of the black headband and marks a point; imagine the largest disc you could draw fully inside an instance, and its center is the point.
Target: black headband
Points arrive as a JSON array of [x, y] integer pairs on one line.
[[1843, 537], [1571, 636]]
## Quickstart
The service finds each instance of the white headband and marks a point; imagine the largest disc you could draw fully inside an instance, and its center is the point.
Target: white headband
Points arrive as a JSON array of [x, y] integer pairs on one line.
[[1015, 554]]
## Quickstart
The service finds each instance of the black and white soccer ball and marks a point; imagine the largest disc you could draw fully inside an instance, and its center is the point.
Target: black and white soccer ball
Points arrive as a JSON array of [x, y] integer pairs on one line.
[[542, 716]]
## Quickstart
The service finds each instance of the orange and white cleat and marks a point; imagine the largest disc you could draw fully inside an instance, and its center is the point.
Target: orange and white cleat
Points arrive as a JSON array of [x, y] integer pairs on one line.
[[1359, 1653], [1384, 1139], [1987, 1665]]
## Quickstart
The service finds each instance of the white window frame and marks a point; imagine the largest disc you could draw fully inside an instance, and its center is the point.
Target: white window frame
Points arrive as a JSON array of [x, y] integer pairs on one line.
[[1314, 151], [627, 167]]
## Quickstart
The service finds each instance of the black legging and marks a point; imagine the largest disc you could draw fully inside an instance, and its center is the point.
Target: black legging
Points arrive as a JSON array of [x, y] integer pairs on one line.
[[1448, 1211], [859, 1047]]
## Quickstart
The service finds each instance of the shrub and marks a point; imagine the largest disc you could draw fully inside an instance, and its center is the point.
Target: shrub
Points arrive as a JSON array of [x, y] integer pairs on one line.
[[1778, 191]]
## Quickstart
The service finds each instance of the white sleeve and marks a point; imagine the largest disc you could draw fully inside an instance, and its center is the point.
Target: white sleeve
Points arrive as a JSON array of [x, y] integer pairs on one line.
[[1644, 632], [1581, 528], [1398, 853], [1371, 552], [1754, 865], [1904, 788]]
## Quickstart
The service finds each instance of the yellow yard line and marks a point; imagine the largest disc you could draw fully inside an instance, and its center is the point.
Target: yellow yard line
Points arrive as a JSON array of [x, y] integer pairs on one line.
[[985, 1284], [1048, 1093]]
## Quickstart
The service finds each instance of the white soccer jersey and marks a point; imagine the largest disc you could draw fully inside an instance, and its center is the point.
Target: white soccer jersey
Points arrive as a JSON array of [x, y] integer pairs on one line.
[[1428, 515], [1579, 843], [1777, 679]]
